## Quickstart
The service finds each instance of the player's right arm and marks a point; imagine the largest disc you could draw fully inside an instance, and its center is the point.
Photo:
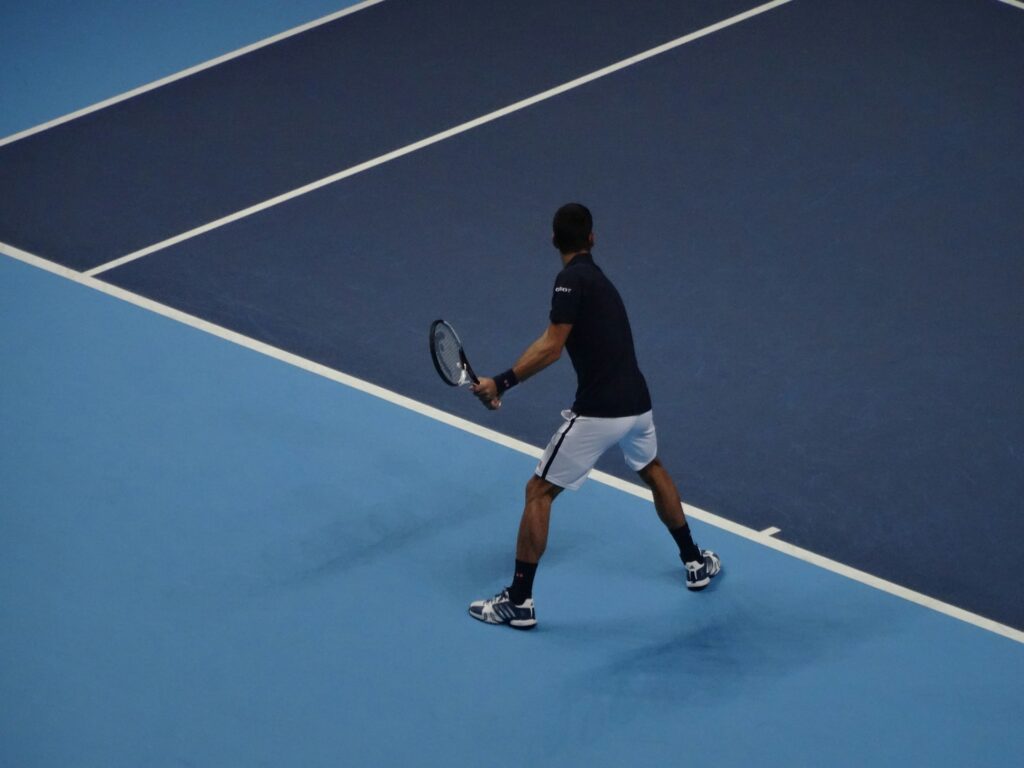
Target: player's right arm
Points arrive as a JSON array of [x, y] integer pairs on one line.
[[565, 302], [542, 352]]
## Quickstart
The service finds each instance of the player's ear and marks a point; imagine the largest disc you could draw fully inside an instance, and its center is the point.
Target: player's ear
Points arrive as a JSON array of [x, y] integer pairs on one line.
[[590, 239]]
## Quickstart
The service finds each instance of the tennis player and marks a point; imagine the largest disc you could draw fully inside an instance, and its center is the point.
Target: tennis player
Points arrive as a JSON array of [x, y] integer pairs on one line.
[[612, 407]]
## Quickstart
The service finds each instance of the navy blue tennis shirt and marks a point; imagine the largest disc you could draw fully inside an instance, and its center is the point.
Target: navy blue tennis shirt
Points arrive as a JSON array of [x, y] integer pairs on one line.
[[600, 344]]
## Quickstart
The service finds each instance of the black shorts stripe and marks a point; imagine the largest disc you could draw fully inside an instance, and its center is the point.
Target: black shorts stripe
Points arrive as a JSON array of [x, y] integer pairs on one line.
[[544, 474]]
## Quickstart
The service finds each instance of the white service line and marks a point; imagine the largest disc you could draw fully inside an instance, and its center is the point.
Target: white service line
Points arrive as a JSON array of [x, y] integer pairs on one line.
[[517, 445], [771, 531], [467, 126], [1014, 3], [187, 72]]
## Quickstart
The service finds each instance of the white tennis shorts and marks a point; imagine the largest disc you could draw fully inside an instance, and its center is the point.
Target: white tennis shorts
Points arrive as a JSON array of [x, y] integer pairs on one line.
[[578, 444]]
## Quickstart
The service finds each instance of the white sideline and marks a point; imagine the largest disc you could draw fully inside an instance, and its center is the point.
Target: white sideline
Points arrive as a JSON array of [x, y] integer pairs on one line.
[[187, 72], [760, 537], [409, 148], [1014, 3]]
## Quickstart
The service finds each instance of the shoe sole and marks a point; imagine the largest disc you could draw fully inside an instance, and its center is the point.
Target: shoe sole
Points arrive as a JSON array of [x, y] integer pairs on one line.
[[697, 586], [520, 624]]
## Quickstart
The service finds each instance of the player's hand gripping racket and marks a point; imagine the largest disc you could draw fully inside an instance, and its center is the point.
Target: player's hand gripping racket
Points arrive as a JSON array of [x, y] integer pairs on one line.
[[449, 357]]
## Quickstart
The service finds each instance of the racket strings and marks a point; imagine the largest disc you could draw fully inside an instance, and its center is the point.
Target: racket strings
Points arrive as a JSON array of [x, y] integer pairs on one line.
[[448, 352]]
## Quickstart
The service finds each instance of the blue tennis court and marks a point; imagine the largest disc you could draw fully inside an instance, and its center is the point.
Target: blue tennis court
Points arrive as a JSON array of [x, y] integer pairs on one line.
[[242, 518]]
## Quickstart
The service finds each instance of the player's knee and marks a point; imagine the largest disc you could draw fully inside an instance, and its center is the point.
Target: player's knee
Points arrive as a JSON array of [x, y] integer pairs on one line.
[[537, 487], [649, 474]]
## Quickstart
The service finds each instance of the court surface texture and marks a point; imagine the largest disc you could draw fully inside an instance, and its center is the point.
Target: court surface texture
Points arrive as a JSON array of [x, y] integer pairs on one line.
[[241, 518]]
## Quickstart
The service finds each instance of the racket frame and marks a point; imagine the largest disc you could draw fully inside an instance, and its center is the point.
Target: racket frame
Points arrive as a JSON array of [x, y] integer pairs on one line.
[[468, 374]]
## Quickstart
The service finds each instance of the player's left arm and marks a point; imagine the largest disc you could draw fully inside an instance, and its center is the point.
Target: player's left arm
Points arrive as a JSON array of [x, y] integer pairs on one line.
[[538, 356]]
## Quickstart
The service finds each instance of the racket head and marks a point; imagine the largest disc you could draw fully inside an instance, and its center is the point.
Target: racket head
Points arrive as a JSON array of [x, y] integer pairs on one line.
[[448, 355]]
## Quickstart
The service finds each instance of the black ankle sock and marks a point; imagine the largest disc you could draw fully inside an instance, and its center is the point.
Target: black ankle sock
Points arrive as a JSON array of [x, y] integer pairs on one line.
[[687, 549], [522, 582]]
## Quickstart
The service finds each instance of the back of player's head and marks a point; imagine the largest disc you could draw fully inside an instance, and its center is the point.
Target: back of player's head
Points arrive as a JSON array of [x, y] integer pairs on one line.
[[572, 226]]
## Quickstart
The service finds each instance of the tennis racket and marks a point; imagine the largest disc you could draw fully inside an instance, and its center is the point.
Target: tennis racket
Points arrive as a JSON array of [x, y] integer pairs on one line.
[[449, 356]]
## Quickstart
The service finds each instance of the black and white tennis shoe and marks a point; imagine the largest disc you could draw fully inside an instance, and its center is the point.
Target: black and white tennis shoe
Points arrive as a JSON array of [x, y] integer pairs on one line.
[[700, 572], [501, 610]]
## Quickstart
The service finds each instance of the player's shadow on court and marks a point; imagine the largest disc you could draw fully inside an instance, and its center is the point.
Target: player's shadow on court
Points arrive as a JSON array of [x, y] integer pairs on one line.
[[719, 649], [360, 539]]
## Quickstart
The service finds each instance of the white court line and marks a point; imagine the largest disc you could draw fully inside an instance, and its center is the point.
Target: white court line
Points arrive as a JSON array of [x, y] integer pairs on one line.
[[517, 445], [469, 125], [1014, 3], [771, 531], [187, 72]]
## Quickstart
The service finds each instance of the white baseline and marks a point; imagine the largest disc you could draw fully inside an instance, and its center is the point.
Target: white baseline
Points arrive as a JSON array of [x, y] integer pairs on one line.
[[462, 128], [759, 537]]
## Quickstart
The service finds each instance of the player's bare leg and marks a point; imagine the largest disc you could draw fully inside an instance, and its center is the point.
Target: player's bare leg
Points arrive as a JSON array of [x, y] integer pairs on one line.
[[701, 565], [533, 526], [514, 604], [666, 495]]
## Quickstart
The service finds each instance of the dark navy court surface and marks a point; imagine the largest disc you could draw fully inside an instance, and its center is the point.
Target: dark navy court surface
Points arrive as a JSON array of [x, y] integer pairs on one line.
[[825, 290], [304, 108], [210, 557]]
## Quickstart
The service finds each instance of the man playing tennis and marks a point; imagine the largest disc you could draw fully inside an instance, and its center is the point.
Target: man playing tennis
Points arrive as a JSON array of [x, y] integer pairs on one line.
[[612, 407]]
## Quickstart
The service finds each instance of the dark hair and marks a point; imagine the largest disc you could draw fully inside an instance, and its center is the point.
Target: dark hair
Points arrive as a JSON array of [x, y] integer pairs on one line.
[[572, 226]]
